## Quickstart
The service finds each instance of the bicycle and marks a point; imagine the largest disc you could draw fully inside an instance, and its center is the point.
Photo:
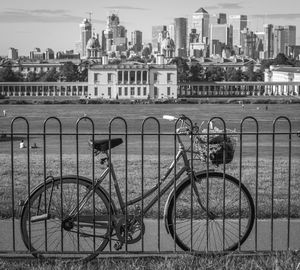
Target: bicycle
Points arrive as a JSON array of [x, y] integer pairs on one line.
[[206, 211]]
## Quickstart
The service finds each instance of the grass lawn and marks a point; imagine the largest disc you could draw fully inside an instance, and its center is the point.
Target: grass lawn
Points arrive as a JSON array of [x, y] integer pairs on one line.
[[134, 114], [276, 261]]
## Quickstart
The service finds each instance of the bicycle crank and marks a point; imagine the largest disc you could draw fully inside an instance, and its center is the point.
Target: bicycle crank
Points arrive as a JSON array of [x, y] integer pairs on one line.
[[135, 229]]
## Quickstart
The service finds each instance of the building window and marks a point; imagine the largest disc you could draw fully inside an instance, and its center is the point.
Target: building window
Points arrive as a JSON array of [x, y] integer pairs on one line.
[[169, 77], [132, 77], [145, 77], [139, 76], [96, 91], [168, 91], [145, 91], [120, 77], [120, 91], [109, 77], [109, 91], [126, 91], [155, 77], [95, 77], [139, 91], [126, 76], [132, 91], [155, 91]]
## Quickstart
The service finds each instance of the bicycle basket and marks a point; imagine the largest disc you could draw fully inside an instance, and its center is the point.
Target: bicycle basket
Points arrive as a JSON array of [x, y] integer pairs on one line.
[[221, 146]]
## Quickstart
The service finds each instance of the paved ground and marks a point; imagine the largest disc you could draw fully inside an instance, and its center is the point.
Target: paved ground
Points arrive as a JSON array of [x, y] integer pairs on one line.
[[151, 242]]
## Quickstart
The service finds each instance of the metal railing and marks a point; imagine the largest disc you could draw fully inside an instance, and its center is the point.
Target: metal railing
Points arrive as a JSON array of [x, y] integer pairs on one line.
[[266, 163]]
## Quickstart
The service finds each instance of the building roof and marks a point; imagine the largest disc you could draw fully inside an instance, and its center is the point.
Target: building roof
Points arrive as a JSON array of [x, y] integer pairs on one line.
[[286, 69], [201, 10]]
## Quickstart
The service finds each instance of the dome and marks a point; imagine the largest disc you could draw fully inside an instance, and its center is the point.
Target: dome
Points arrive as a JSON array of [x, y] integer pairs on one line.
[[93, 43], [168, 44]]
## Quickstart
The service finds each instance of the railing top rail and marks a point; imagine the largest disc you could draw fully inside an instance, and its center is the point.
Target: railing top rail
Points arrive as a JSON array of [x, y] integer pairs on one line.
[[234, 83]]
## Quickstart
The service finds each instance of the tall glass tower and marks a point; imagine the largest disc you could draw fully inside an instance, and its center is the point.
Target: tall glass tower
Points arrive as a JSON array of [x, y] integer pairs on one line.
[[85, 35], [180, 35]]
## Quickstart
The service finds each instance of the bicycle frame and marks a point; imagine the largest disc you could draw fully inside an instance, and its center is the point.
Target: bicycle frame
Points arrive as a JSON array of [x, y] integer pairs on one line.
[[182, 153]]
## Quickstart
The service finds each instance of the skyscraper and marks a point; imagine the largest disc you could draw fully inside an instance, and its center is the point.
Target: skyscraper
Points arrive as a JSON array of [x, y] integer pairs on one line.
[[248, 42], [239, 23], [159, 32], [284, 36], [268, 40], [115, 35], [85, 35], [289, 37], [137, 40], [219, 18], [180, 36], [200, 22], [221, 33], [171, 30], [278, 40]]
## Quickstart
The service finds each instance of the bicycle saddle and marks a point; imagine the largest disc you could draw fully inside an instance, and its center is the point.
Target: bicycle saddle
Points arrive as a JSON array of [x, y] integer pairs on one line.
[[103, 145]]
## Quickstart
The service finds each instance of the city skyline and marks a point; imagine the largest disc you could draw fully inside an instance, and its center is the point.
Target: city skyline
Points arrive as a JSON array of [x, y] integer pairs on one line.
[[29, 24]]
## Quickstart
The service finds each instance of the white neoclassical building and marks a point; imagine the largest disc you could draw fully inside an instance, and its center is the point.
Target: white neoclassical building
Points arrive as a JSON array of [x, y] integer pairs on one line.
[[133, 80], [283, 74]]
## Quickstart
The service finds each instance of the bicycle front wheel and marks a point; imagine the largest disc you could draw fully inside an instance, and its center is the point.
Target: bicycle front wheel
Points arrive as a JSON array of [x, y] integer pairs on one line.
[[55, 234], [222, 224]]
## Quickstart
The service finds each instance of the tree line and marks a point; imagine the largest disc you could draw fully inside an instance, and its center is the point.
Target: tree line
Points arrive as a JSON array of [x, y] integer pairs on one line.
[[69, 72], [188, 71]]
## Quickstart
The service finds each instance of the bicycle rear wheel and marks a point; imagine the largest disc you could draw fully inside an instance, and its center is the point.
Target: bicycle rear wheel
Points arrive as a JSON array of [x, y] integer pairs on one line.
[[55, 234], [229, 221]]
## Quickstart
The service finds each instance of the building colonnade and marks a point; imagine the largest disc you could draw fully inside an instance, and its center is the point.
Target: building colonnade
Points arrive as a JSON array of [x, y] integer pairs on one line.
[[133, 77], [238, 89], [42, 89], [200, 89]]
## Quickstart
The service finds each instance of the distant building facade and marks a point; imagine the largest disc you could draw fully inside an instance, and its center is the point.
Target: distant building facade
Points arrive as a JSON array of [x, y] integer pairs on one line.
[[132, 81], [220, 34], [137, 40], [37, 54], [159, 32], [67, 55], [239, 23], [114, 37], [12, 54]]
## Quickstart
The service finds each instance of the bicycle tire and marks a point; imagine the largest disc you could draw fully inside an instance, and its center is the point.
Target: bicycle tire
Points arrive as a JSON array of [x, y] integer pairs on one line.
[[40, 241], [203, 240]]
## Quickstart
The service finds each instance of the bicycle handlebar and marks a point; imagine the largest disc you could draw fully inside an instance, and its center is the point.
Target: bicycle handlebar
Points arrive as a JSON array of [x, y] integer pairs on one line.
[[186, 127]]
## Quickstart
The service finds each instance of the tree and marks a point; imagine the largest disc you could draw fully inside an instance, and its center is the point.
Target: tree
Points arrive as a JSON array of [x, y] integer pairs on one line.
[[7, 75], [249, 74], [83, 77], [31, 76], [215, 74], [281, 59], [196, 73], [51, 76], [69, 72], [233, 75], [182, 68]]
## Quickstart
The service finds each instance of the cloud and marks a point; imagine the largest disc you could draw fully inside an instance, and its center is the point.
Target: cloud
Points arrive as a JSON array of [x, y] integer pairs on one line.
[[125, 7], [40, 16], [230, 5], [291, 16], [48, 11], [210, 7]]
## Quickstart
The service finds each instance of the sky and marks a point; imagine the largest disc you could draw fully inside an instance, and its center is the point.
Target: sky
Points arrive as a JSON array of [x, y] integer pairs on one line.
[[27, 24]]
